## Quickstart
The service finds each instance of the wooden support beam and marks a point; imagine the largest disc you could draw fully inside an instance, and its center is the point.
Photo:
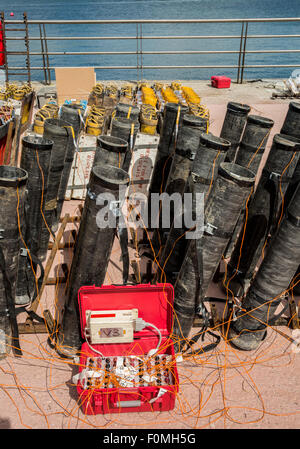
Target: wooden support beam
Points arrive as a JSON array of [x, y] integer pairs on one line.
[[294, 314], [74, 219], [32, 327], [9, 142], [57, 280], [49, 326], [62, 245], [49, 264], [136, 271]]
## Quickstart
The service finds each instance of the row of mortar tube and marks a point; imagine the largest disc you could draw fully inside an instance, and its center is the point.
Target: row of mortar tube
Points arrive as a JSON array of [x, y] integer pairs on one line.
[[149, 113], [159, 95], [15, 91]]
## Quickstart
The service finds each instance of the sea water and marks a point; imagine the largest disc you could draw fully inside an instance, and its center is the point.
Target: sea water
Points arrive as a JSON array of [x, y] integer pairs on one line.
[[160, 9]]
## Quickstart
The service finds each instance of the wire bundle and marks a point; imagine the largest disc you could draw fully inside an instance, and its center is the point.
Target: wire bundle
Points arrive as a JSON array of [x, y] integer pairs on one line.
[[149, 96], [111, 90], [15, 91], [6, 113], [127, 92], [148, 119], [194, 102], [169, 95], [95, 121], [96, 95], [49, 110]]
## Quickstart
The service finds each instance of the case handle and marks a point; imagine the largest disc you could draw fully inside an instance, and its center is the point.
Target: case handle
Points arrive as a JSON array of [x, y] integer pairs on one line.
[[136, 403]]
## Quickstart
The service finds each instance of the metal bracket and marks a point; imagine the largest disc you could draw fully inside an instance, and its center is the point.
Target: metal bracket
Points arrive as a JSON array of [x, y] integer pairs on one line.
[[201, 310], [274, 176], [91, 195], [215, 316], [209, 228], [115, 207], [23, 252]]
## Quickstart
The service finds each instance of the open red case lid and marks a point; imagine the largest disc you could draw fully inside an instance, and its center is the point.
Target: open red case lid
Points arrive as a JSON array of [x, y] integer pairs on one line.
[[154, 303]]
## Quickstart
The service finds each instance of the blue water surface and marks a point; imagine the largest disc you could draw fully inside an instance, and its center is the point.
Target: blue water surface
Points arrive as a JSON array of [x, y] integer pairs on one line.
[[160, 9]]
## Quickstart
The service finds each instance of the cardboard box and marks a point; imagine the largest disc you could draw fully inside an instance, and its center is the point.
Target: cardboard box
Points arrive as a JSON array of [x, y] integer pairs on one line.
[[74, 83]]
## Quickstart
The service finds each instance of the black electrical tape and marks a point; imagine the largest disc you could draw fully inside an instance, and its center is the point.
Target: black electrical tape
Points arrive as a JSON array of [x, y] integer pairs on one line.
[[9, 234], [294, 220], [123, 234], [218, 233], [188, 154], [206, 348], [10, 306], [198, 179]]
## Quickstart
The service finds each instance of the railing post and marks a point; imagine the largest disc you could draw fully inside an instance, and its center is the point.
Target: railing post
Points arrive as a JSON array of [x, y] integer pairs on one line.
[[240, 54], [244, 53], [141, 47], [27, 48], [47, 56], [43, 54], [139, 51]]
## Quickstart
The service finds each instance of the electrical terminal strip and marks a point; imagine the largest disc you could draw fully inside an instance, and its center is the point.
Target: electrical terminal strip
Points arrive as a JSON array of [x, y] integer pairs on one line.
[[118, 326], [126, 372]]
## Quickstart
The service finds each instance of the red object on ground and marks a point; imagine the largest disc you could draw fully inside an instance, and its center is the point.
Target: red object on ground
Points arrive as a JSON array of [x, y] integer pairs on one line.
[[2, 56], [2, 149], [155, 305], [220, 82]]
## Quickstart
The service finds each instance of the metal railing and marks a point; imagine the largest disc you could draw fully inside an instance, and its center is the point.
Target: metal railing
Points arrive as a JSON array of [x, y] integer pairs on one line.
[[141, 38]]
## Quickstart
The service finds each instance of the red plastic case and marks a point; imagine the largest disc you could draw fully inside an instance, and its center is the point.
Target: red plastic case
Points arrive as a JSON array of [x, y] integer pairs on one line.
[[155, 305], [220, 82]]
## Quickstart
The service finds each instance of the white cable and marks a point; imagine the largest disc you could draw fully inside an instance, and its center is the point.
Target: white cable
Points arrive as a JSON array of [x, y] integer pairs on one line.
[[161, 392], [93, 349], [140, 325], [154, 351]]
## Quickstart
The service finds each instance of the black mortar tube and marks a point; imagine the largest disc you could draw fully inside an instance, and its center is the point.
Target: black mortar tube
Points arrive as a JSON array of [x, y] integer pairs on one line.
[[59, 131], [35, 159], [230, 191], [254, 141], [292, 120], [194, 121], [92, 251], [166, 146], [73, 114], [210, 154], [291, 127], [270, 283], [110, 150], [186, 148], [126, 129], [249, 155], [128, 111], [12, 201], [69, 158], [233, 126], [263, 212]]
